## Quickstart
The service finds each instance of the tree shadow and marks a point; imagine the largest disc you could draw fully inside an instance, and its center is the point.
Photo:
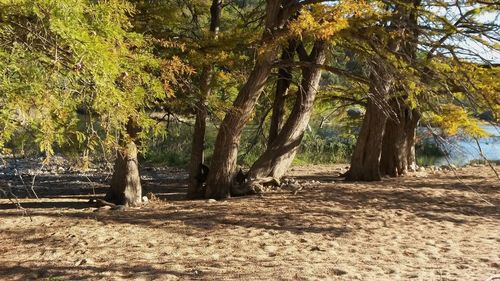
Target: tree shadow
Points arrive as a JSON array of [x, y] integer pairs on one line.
[[48, 205], [83, 187], [438, 204], [89, 272], [454, 184], [212, 217], [435, 199]]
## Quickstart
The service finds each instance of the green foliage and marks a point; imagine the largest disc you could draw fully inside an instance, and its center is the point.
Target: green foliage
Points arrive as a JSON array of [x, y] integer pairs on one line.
[[59, 57], [174, 148], [184, 25], [323, 148], [74, 72]]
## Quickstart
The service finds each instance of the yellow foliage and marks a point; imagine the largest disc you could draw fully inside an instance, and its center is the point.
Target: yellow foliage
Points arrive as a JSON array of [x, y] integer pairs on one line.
[[454, 119], [324, 21]]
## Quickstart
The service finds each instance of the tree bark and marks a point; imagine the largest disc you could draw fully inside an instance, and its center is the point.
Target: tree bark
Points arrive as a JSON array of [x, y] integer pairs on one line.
[[398, 152], [393, 161], [198, 141], [223, 163], [365, 162], [366, 156], [279, 155], [227, 143], [195, 183], [411, 139], [126, 182], [282, 86]]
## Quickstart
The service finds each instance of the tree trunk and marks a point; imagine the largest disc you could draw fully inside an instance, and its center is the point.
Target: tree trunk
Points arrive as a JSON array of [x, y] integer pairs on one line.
[[227, 143], [198, 142], [223, 163], [365, 162], [366, 156], [398, 152], [282, 86], [195, 182], [126, 182], [278, 157], [393, 161], [411, 139]]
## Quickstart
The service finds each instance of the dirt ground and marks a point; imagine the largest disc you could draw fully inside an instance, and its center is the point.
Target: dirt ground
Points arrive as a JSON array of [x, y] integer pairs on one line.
[[427, 226]]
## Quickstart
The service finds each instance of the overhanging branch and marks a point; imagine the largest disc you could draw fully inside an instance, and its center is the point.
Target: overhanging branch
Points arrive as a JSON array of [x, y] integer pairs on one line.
[[332, 69]]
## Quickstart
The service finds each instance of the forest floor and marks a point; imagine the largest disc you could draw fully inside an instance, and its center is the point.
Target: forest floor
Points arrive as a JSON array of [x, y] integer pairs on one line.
[[427, 226]]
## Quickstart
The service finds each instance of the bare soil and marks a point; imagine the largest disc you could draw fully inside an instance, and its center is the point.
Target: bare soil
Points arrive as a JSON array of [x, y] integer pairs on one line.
[[426, 226]]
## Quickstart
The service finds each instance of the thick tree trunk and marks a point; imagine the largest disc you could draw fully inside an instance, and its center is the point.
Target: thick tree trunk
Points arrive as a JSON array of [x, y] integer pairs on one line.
[[366, 156], [365, 162], [223, 163], [126, 182], [398, 152], [279, 155], [195, 181], [282, 86], [393, 161]]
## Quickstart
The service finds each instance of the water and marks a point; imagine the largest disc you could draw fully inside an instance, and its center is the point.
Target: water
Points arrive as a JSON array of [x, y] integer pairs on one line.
[[463, 151]]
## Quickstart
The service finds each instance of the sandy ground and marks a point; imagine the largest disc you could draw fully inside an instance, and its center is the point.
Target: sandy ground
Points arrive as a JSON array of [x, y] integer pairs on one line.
[[422, 227]]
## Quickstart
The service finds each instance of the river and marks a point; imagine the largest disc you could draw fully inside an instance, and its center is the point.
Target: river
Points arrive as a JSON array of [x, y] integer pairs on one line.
[[463, 150]]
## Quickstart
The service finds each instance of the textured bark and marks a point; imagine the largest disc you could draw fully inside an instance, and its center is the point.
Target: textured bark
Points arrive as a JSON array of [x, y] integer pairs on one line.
[[282, 86], [227, 143], [280, 153], [393, 161], [126, 182], [410, 49], [223, 163], [398, 152], [365, 162], [198, 143], [366, 156]]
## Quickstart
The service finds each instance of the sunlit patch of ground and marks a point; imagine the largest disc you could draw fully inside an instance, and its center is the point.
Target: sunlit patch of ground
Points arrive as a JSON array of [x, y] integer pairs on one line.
[[422, 227]]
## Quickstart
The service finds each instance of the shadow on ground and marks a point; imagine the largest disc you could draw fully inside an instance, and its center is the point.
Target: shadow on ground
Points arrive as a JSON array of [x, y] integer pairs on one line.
[[435, 199], [88, 272]]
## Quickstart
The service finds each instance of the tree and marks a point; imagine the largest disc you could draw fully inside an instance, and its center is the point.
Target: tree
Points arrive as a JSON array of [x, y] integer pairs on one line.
[[323, 21], [218, 47], [278, 156], [198, 143], [223, 163], [62, 58], [282, 86], [126, 186], [398, 144], [411, 62]]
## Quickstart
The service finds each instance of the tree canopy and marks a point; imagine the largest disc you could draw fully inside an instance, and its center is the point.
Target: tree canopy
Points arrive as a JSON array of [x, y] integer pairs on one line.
[[95, 74]]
